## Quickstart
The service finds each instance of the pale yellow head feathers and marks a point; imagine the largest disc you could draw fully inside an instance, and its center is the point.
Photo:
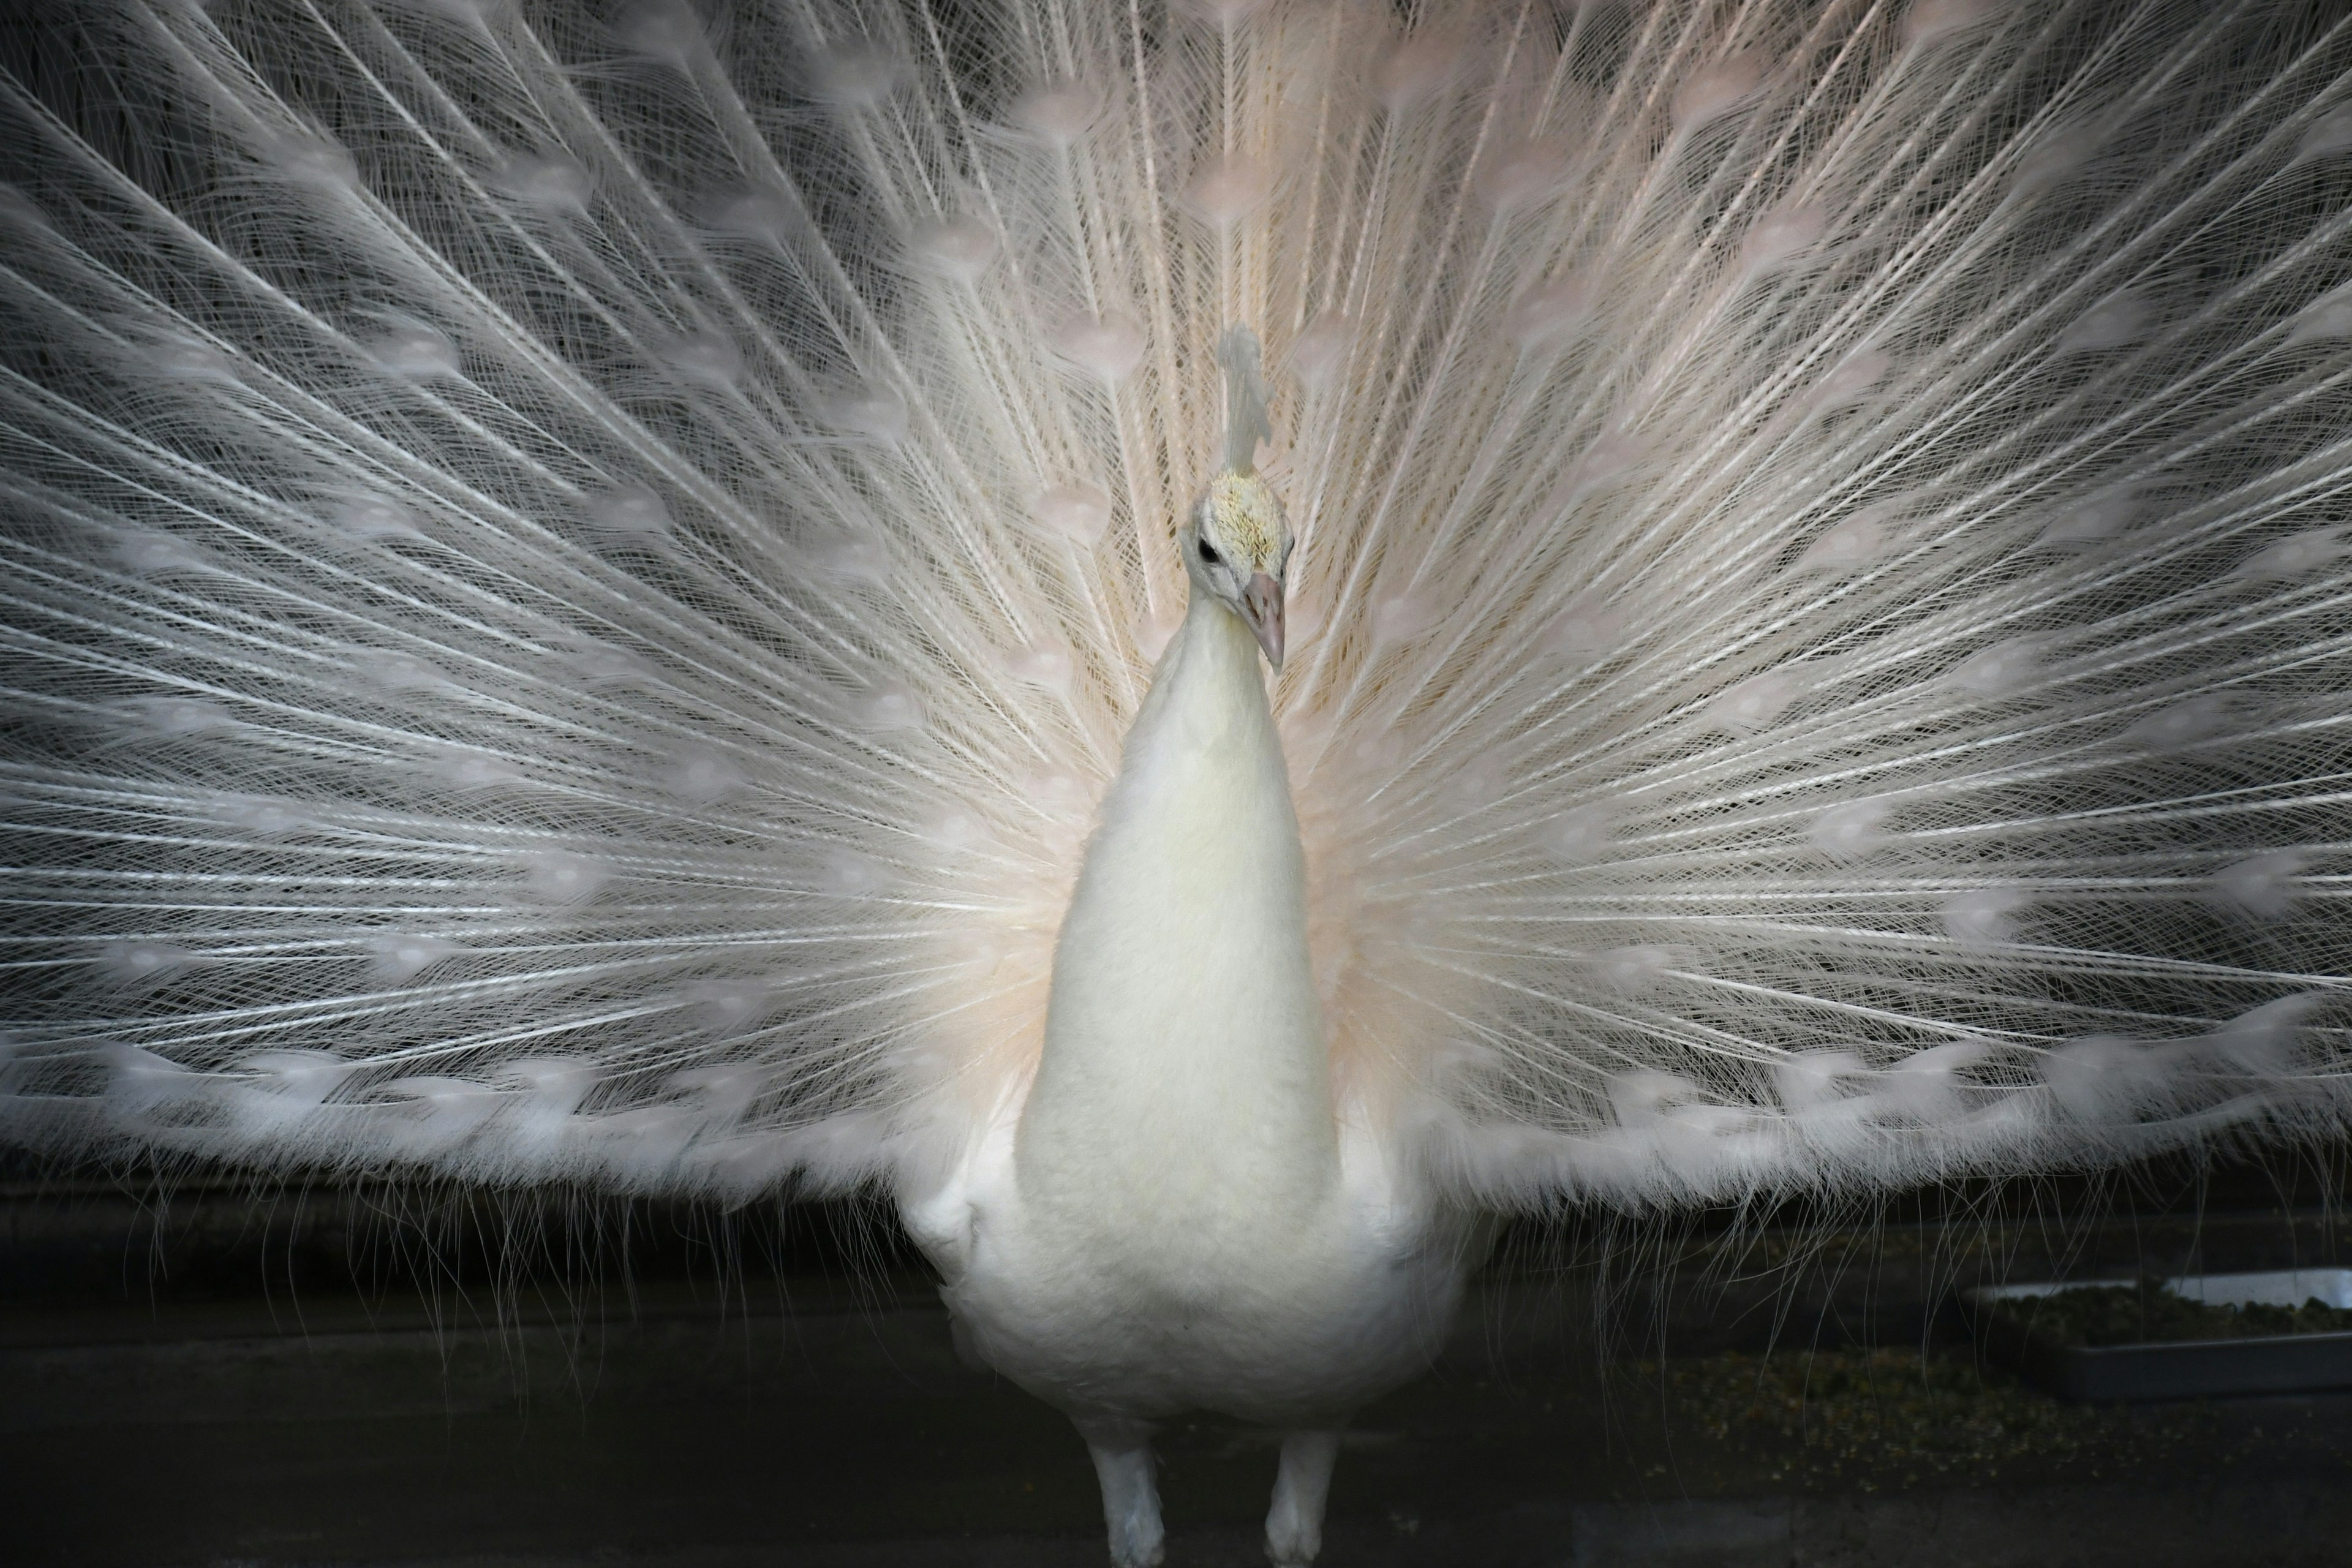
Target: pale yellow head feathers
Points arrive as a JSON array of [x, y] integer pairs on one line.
[[1242, 518]]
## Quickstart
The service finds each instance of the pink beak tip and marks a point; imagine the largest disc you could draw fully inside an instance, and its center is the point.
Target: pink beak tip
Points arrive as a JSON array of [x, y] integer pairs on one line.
[[1262, 607]]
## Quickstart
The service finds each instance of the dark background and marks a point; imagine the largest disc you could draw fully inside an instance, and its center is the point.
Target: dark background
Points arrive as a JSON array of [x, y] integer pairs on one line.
[[204, 1371]]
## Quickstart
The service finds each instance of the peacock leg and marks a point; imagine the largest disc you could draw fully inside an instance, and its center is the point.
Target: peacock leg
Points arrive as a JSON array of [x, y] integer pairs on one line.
[[1294, 1526], [1122, 1456]]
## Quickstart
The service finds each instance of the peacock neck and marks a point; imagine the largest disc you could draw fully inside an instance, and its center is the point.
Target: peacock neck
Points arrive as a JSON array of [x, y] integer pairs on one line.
[[1184, 1096]]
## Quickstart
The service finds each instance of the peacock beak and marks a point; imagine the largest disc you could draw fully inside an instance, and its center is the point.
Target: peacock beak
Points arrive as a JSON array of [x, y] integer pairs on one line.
[[1262, 608]]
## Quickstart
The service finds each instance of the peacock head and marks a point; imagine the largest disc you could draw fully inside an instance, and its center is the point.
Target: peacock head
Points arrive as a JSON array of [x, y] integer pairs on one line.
[[1235, 546], [1236, 542]]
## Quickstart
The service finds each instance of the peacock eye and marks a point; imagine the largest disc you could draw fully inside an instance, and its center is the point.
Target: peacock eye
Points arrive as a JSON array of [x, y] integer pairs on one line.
[[1208, 552]]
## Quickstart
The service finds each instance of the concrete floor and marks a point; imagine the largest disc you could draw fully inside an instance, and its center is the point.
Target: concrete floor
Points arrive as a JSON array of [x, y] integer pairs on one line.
[[818, 1422]]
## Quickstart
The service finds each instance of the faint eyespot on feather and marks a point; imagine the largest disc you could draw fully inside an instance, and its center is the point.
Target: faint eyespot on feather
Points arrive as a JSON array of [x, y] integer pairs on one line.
[[645, 1142], [1933, 21], [310, 159], [136, 963], [2262, 1042], [1225, 190], [1059, 115], [1546, 317], [438, 1112], [1587, 631], [1710, 94], [2106, 1079], [2297, 555], [401, 672], [264, 818], [173, 717], [751, 212], [1779, 236], [2329, 136], [281, 1088], [724, 1092], [2054, 159], [152, 552], [2117, 322], [850, 874], [1607, 459], [703, 357], [1852, 381], [1398, 618], [961, 248], [1523, 175], [2263, 887], [865, 411], [889, 708], [2326, 317], [1107, 346], [1380, 754], [599, 664], [1810, 1080], [2001, 669], [668, 31], [190, 362], [1048, 665], [1320, 352], [1638, 1098], [412, 350], [729, 1007], [1474, 788], [361, 516], [466, 768], [1580, 835], [1984, 917], [2095, 519], [703, 776], [848, 557], [855, 73], [1634, 970], [1750, 705], [956, 831], [395, 958], [1930, 1085], [2178, 724], [1419, 67], [1078, 514], [1858, 541], [140, 1083], [629, 510], [564, 876], [542, 1099], [554, 184], [1852, 828]]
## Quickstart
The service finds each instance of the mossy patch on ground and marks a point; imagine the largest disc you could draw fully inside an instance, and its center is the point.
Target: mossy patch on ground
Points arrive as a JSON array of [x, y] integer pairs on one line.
[[2151, 1312], [1866, 1419]]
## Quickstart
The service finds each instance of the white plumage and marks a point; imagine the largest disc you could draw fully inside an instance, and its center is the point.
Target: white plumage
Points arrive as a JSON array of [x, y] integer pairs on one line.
[[575, 582]]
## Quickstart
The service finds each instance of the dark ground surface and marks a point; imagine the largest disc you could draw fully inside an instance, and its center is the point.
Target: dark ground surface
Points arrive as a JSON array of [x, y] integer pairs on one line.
[[210, 1384]]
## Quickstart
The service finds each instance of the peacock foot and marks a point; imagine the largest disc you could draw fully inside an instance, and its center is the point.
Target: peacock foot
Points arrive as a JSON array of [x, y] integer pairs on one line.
[[1122, 1456], [1294, 1526]]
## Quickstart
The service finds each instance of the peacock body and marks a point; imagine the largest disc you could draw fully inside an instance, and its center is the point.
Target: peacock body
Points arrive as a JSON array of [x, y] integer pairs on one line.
[[719, 603]]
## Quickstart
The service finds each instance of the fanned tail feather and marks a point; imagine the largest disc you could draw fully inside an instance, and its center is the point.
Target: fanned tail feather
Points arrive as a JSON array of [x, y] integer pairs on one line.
[[571, 585]]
